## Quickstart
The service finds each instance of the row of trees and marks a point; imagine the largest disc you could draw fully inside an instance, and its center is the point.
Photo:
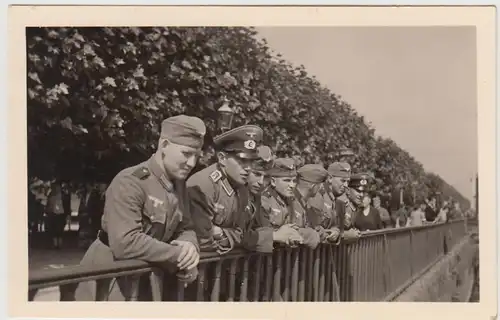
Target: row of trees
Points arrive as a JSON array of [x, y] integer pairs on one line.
[[96, 97]]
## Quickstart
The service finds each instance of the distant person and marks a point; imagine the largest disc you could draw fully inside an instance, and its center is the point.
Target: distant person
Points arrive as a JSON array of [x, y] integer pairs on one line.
[[417, 216], [56, 215], [402, 217], [384, 214], [442, 216], [430, 209], [367, 218]]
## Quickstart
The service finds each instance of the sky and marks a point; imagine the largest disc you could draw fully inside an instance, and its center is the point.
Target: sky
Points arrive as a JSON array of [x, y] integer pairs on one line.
[[416, 85]]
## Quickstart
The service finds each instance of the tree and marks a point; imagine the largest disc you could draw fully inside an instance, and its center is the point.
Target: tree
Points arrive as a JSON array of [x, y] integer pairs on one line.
[[96, 97]]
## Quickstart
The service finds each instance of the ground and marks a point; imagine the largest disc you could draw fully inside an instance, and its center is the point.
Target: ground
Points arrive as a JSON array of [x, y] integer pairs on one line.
[[41, 256]]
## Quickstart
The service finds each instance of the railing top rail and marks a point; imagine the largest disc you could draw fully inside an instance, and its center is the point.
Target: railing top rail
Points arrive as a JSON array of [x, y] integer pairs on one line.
[[73, 274], [52, 277]]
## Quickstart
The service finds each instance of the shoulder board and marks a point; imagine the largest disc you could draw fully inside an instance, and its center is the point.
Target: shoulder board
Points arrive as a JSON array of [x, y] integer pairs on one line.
[[141, 173], [216, 175], [227, 187]]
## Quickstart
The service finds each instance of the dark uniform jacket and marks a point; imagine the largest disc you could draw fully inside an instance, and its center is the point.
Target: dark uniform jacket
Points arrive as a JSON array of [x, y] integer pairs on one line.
[[328, 212], [143, 212], [277, 212], [216, 203]]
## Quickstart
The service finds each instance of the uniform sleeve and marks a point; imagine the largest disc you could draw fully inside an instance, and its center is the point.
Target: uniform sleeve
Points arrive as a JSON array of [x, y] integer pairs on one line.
[[311, 237], [257, 238], [263, 215], [185, 230], [202, 213], [123, 210]]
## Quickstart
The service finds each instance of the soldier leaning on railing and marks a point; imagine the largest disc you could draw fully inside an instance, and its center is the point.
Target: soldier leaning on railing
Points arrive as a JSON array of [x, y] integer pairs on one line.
[[146, 213]]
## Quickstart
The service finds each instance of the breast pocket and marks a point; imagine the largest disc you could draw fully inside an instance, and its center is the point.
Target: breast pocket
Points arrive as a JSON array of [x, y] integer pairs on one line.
[[276, 218], [220, 214], [154, 219]]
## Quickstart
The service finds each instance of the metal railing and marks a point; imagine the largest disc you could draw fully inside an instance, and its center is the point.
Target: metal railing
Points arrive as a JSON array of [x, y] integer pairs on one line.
[[377, 267]]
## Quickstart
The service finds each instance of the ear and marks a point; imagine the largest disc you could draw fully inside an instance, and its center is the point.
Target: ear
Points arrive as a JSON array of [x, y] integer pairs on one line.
[[273, 182], [221, 157], [162, 143]]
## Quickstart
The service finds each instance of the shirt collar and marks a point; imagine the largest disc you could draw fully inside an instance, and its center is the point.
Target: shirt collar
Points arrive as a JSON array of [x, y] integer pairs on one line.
[[160, 174]]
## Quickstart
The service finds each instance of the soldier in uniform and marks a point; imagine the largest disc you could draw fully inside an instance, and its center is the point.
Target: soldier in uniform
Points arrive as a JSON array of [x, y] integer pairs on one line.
[[330, 220], [310, 178], [146, 214], [277, 200], [358, 186], [220, 196]]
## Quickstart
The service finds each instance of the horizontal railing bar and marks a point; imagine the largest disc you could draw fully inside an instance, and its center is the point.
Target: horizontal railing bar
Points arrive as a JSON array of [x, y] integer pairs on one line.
[[371, 233], [46, 278]]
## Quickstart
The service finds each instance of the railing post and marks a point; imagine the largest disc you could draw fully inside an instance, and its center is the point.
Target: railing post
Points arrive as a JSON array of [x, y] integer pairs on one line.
[[388, 269], [244, 281], [316, 267], [256, 287], [277, 276], [67, 292], [412, 252], [156, 280], [216, 288]]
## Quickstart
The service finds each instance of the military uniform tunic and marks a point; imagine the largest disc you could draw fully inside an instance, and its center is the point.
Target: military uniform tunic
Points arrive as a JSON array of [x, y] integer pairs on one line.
[[327, 213], [144, 210], [216, 203], [277, 212]]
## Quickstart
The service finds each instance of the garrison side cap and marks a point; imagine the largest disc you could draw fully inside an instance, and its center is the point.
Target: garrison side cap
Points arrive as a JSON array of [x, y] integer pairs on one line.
[[283, 167]]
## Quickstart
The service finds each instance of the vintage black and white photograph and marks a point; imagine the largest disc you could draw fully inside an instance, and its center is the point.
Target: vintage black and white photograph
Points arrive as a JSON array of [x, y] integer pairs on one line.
[[252, 163]]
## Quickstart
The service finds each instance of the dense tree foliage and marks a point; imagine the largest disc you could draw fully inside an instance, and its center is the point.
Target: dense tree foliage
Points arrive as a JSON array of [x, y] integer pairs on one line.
[[96, 97]]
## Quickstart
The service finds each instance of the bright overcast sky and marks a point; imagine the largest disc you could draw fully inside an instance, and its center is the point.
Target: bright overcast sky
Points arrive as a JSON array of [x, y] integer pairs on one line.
[[416, 85]]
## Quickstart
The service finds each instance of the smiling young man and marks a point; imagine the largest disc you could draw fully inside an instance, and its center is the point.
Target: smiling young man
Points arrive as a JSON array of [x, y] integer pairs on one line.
[[277, 201], [219, 193], [146, 212]]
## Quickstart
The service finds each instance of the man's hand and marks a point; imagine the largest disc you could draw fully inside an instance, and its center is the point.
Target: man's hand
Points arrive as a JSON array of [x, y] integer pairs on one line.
[[332, 234], [352, 234], [287, 234], [347, 220], [188, 257], [217, 232]]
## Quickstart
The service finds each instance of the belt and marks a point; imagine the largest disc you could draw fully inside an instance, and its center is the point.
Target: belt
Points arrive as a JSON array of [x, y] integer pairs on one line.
[[103, 236]]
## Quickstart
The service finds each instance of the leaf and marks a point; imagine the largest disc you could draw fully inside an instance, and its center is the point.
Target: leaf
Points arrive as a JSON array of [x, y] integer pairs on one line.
[[186, 64], [109, 81], [63, 88], [66, 123]]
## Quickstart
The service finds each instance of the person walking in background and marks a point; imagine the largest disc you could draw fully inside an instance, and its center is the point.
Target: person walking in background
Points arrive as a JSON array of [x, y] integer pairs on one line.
[[56, 215]]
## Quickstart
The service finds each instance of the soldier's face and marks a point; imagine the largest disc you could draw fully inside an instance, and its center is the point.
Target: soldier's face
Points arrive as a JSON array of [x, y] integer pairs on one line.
[[237, 168], [284, 185], [338, 185], [355, 196], [256, 181], [179, 160]]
